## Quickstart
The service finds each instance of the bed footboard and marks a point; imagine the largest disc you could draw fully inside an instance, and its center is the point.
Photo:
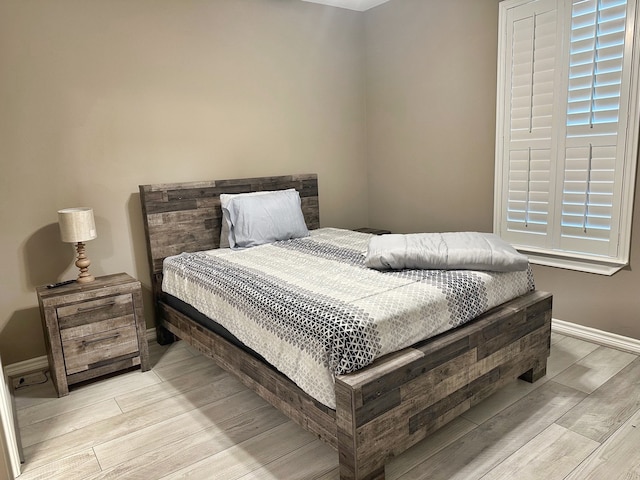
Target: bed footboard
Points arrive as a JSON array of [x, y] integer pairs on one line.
[[389, 406]]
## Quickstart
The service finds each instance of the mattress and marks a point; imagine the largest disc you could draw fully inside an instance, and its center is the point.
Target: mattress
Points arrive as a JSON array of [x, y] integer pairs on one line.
[[313, 310]]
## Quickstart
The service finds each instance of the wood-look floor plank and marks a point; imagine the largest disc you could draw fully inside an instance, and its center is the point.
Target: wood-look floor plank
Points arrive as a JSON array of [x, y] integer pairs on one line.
[[181, 453], [552, 455], [565, 352], [410, 458], [617, 458], [482, 449], [176, 386], [428, 447], [310, 462], [245, 457], [154, 436], [512, 433], [620, 395], [128, 422], [35, 403], [68, 422], [192, 349], [180, 368], [556, 337], [334, 474], [34, 395], [86, 395], [503, 398], [162, 355], [595, 369], [77, 466]]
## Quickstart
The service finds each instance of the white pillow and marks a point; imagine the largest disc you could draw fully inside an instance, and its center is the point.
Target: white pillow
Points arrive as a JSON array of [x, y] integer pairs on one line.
[[264, 217], [225, 198]]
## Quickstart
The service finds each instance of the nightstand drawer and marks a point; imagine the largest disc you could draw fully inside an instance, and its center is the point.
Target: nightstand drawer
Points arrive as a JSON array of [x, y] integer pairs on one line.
[[94, 310], [88, 351], [96, 328]]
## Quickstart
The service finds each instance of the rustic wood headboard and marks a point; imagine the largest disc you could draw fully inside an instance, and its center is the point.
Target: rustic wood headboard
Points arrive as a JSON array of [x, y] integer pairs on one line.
[[186, 217]]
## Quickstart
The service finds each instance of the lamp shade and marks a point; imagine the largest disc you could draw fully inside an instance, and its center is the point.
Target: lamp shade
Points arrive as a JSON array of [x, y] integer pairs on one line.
[[76, 224]]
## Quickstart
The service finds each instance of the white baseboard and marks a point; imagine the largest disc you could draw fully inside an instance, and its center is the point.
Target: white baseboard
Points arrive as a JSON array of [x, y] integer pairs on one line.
[[42, 363], [594, 335], [27, 366]]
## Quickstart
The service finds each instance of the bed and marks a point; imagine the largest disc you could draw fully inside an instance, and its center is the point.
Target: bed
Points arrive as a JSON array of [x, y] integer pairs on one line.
[[382, 409]]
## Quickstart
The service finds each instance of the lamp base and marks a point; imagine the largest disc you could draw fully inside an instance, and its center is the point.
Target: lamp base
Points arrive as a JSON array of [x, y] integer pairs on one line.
[[83, 263]]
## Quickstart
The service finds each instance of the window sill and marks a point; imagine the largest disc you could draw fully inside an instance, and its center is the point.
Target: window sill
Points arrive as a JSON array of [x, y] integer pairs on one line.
[[599, 267]]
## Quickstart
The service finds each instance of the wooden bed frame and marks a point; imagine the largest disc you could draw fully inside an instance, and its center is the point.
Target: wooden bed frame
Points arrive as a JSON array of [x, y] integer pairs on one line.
[[388, 406]]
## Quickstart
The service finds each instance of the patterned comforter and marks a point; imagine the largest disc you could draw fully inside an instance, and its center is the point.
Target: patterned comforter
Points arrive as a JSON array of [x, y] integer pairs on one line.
[[312, 309]]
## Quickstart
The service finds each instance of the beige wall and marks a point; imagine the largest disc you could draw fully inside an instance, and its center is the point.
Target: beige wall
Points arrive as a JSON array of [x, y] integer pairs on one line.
[[431, 80], [97, 97], [431, 83]]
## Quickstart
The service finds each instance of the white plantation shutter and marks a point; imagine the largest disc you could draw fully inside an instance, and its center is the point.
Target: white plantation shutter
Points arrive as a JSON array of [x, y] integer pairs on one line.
[[594, 152], [567, 130], [528, 132], [532, 74]]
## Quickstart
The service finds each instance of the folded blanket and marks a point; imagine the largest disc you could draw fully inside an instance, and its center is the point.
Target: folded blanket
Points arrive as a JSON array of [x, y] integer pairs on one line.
[[444, 251]]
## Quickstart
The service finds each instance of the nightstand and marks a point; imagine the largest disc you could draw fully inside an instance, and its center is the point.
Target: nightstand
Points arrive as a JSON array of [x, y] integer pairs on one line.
[[373, 231], [93, 329]]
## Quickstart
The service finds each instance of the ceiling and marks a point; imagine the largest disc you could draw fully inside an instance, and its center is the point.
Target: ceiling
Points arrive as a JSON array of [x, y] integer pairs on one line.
[[359, 5]]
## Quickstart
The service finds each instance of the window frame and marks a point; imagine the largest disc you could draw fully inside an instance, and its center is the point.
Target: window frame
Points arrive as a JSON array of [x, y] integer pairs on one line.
[[548, 252]]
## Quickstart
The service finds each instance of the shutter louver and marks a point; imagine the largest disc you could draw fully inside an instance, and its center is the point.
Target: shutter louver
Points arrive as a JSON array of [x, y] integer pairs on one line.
[[588, 197], [528, 203], [596, 54]]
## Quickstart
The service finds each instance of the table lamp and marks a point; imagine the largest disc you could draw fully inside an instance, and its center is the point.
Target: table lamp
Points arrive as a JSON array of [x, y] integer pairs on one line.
[[77, 226]]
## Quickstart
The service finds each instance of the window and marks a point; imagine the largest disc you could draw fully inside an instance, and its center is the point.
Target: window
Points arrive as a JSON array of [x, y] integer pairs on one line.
[[567, 131]]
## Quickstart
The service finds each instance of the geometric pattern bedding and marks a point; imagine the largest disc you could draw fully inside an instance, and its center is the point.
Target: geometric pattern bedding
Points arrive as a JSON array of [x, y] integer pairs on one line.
[[313, 310]]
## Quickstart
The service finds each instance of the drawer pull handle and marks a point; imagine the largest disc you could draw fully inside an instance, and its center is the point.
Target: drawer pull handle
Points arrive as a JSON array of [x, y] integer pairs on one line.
[[86, 343], [97, 307]]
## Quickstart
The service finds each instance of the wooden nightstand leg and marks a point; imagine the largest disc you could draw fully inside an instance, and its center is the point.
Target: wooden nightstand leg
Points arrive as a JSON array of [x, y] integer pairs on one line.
[[54, 350], [61, 385], [141, 331]]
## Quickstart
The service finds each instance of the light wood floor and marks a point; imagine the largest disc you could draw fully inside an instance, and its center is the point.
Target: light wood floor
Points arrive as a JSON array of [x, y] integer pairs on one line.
[[188, 418]]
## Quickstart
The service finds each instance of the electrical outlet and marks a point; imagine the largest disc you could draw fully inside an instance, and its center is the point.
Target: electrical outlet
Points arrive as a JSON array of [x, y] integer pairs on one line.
[[32, 378]]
